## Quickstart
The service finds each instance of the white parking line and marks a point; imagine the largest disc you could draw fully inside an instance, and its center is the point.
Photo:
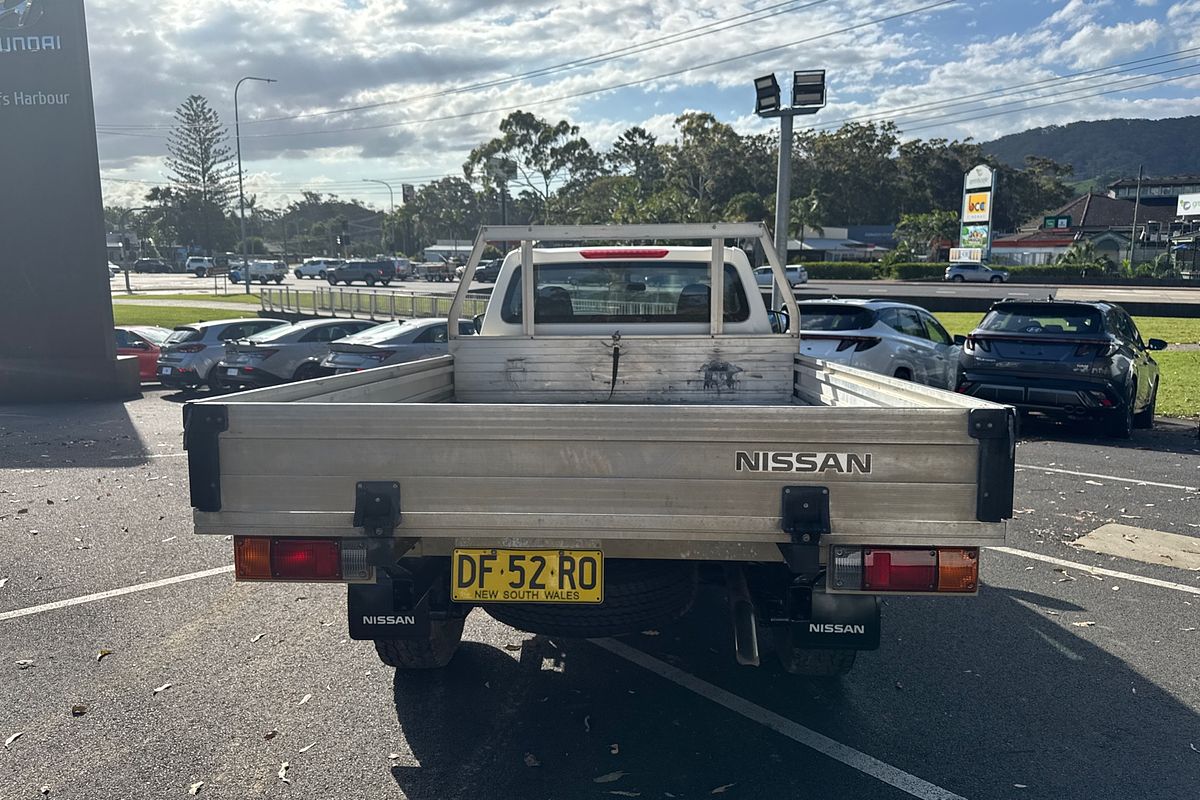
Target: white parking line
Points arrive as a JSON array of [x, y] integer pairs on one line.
[[91, 598], [868, 765], [1138, 481], [1111, 573], [151, 455]]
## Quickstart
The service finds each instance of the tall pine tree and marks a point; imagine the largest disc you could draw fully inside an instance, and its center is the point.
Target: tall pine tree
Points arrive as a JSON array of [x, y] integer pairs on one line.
[[202, 175]]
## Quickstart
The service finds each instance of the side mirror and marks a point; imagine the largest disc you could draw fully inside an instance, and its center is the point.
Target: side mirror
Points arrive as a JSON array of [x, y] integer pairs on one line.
[[779, 321], [1156, 344], [478, 320], [139, 345], [960, 340]]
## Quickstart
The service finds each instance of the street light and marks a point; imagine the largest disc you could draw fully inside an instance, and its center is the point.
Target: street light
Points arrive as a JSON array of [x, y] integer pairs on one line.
[[392, 218], [237, 133], [808, 97]]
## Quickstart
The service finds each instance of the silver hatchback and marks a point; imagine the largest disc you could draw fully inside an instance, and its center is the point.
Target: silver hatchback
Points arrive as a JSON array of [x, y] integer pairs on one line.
[[287, 353], [189, 357], [894, 339], [393, 343]]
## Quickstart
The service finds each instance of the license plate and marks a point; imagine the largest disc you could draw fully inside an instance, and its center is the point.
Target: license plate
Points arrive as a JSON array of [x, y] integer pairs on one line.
[[231, 373], [527, 576], [166, 370]]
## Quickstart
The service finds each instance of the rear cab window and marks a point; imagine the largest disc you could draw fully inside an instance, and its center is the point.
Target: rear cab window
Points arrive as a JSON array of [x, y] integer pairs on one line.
[[625, 292]]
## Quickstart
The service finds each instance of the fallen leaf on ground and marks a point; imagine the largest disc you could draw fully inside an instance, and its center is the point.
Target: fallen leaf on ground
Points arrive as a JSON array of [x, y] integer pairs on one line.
[[587, 724], [45, 789], [513, 647], [531, 760], [100, 654], [257, 638], [723, 789], [393, 756], [1116, 588], [649, 633], [2, 582], [1093, 483], [13, 738], [1083, 624], [624, 793], [1020, 786], [615, 749], [307, 748], [610, 777], [25, 663], [271, 734], [162, 688], [78, 710], [169, 539], [304, 699], [283, 768], [195, 788]]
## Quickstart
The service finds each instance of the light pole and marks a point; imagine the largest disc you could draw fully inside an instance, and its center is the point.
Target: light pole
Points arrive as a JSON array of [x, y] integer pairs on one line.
[[808, 97], [237, 134], [392, 217]]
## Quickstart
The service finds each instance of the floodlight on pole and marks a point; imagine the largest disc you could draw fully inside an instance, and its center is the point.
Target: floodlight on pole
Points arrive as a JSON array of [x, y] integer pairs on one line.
[[237, 133], [808, 97]]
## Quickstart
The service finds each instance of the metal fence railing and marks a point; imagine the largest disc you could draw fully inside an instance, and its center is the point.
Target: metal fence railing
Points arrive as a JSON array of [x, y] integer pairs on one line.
[[372, 304]]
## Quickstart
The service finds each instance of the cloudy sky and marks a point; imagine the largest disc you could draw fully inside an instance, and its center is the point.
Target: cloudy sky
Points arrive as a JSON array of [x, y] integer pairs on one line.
[[401, 90]]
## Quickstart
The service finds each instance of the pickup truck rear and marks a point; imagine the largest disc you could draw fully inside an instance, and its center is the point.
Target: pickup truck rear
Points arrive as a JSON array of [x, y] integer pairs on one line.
[[581, 470]]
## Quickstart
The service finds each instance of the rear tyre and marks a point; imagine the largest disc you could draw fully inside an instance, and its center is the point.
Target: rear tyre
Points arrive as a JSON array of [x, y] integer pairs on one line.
[[201, 272], [299, 275], [214, 382], [638, 594], [996, 279], [1120, 423], [369, 280], [807, 661], [431, 653], [1144, 419], [321, 274], [903, 374], [263, 281], [332, 281], [278, 281], [306, 372]]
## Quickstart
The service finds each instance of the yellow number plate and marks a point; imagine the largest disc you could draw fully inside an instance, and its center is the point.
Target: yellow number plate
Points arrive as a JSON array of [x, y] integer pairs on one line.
[[527, 576]]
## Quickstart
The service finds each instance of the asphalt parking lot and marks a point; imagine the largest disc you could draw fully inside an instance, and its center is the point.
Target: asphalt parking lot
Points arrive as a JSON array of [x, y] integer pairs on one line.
[[1072, 675]]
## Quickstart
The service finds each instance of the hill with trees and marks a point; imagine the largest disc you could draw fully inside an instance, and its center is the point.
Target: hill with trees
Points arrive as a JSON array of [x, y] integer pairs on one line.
[[1104, 150]]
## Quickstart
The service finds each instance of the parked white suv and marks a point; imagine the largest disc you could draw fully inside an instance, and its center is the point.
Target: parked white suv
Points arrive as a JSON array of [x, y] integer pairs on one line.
[[317, 267], [199, 266]]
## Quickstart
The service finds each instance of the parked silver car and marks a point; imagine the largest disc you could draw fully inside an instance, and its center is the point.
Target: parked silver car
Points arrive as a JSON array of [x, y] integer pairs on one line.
[[796, 275], [189, 357], [975, 272], [287, 353], [895, 339], [392, 343]]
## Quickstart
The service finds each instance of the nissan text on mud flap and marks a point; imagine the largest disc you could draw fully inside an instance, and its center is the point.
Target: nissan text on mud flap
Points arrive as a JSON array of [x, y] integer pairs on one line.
[[625, 427]]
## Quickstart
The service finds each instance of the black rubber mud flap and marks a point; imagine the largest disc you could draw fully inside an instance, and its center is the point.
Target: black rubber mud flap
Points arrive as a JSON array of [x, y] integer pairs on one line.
[[996, 430], [839, 622], [202, 425], [378, 611]]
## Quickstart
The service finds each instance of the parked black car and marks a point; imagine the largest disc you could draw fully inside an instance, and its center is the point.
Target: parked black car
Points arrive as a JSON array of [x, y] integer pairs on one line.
[[1064, 359], [151, 265], [489, 271], [369, 272]]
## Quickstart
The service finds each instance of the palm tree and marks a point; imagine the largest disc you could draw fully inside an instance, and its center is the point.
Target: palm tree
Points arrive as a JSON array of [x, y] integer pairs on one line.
[[1083, 256], [806, 213]]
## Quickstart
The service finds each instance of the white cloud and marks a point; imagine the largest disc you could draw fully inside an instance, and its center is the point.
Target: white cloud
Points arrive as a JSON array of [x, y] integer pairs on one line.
[[1094, 45]]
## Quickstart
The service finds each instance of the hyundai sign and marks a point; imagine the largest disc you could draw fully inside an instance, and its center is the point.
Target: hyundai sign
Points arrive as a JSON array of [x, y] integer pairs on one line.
[[56, 334]]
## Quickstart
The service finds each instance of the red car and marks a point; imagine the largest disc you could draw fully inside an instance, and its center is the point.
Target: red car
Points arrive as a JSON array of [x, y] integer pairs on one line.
[[142, 341]]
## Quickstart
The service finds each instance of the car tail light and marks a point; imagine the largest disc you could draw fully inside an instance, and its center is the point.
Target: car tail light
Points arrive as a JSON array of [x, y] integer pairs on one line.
[[260, 354], [972, 343], [1101, 398], [380, 355], [947, 570], [190, 348], [645, 252], [859, 343], [299, 559]]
